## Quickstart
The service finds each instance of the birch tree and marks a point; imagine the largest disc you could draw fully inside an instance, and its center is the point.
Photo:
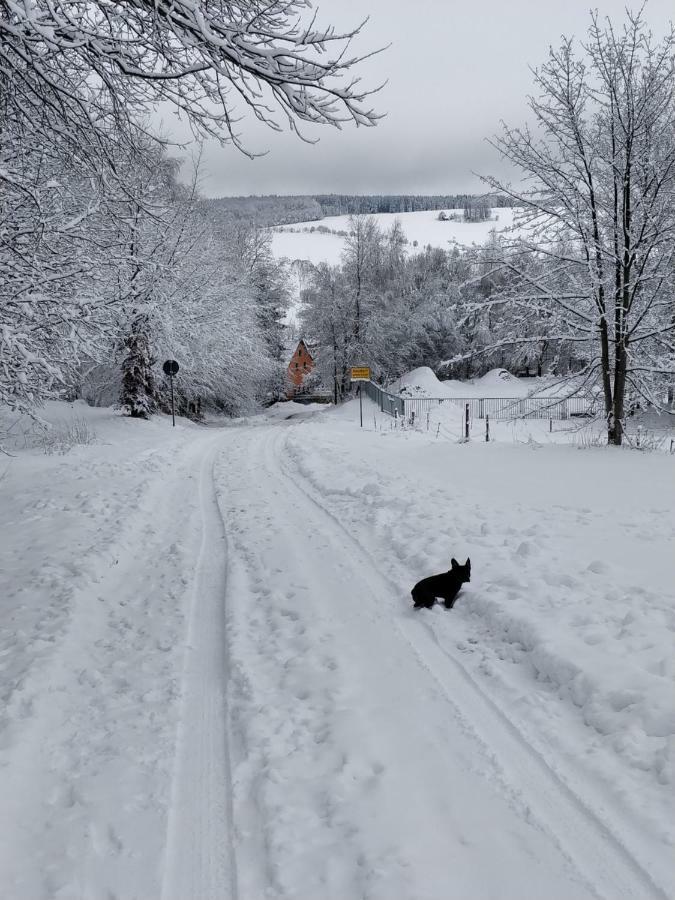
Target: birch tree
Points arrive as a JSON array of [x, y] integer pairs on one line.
[[598, 207]]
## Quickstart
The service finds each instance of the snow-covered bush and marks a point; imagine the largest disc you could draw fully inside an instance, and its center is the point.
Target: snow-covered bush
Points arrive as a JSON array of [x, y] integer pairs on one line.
[[62, 436]]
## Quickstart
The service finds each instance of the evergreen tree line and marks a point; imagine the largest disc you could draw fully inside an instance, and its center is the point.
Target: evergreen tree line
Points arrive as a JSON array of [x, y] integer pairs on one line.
[[355, 204], [287, 210]]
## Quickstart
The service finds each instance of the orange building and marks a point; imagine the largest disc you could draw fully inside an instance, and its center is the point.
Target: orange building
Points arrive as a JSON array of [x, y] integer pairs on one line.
[[299, 367]]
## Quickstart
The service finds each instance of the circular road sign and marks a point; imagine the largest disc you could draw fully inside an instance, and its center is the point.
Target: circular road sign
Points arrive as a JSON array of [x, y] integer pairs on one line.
[[170, 367]]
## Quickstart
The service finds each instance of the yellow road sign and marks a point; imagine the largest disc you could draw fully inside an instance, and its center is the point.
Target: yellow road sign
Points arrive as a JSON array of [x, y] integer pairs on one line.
[[361, 373]]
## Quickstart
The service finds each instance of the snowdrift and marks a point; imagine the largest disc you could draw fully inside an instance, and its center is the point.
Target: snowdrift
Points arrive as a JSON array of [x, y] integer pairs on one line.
[[497, 383]]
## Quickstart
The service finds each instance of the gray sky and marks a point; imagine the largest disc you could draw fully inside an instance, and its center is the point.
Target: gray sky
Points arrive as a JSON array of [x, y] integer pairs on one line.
[[454, 70]]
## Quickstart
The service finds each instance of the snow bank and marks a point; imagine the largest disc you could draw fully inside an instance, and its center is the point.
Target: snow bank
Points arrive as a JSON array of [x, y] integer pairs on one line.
[[603, 662], [422, 382]]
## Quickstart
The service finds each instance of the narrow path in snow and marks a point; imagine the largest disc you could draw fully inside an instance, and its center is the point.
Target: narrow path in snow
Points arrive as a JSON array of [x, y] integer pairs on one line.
[[364, 762], [90, 718], [199, 856]]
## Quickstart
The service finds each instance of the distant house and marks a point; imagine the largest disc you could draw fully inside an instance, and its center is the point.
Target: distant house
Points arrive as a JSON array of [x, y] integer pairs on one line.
[[301, 364]]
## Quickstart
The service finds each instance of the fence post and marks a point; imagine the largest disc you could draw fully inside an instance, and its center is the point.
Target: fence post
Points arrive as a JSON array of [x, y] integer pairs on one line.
[[466, 423], [481, 408], [487, 428], [550, 426]]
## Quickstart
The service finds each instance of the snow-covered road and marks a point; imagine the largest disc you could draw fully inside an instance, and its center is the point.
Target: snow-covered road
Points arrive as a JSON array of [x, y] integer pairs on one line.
[[365, 761], [215, 688]]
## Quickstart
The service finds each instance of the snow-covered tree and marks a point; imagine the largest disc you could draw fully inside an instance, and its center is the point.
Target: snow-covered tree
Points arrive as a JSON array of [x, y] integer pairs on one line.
[[327, 318], [85, 63], [598, 209], [77, 81], [477, 210], [361, 259], [138, 395]]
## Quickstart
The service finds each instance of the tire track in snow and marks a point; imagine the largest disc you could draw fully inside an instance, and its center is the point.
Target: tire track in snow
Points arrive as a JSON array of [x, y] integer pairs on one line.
[[607, 865], [200, 859], [86, 766], [351, 777]]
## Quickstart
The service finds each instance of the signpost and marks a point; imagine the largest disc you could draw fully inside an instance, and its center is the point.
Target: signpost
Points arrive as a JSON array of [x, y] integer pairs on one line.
[[360, 373], [170, 368]]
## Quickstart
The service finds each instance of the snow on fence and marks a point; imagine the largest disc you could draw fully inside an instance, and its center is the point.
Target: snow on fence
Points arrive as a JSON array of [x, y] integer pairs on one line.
[[479, 408]]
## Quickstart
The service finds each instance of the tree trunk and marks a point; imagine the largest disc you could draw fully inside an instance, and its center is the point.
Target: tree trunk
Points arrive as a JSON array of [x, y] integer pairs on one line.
[[606, 379], [618, 410], [335, 373]]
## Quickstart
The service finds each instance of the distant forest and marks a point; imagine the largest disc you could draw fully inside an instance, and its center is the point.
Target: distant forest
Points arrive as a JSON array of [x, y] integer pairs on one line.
[[285, 210], [355, 204]]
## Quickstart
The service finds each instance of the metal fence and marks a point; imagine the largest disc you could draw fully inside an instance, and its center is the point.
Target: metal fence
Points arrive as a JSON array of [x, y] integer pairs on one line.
[[388, 403], [479, 408], [506, 407]]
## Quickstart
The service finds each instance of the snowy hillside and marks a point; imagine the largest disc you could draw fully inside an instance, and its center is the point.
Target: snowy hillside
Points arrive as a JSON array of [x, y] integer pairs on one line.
[[304, 241], [215, 686]]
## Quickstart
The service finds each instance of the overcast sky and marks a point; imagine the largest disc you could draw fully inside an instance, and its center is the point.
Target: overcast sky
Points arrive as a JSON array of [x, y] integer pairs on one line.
[[454, 69]]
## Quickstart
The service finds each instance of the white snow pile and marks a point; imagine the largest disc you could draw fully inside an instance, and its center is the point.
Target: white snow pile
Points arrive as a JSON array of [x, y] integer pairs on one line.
[[497, 383], [500, 383], [422, 382]]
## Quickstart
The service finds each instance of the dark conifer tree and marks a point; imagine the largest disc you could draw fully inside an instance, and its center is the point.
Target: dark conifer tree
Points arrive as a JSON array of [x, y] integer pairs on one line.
[[138, 395]]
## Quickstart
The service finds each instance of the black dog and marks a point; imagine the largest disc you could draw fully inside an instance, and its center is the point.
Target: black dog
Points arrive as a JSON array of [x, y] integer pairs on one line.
[[444, 587]]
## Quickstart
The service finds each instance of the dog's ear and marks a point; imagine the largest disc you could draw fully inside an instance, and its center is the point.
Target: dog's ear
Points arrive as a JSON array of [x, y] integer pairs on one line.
[[454, 563], [467, 564]]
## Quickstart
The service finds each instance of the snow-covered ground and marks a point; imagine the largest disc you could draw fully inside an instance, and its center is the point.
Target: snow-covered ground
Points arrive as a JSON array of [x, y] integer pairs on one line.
[[420, 228], [214, 685]]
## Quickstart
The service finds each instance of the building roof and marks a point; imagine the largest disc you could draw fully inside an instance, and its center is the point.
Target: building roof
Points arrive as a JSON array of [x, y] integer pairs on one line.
[[302, 342]]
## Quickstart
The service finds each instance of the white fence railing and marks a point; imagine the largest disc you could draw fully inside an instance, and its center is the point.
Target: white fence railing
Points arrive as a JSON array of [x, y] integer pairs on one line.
[[506, 407]]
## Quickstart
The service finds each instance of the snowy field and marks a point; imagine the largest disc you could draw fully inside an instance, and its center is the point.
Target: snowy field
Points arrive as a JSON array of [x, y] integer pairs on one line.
[[424, 227], [214, 685]]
